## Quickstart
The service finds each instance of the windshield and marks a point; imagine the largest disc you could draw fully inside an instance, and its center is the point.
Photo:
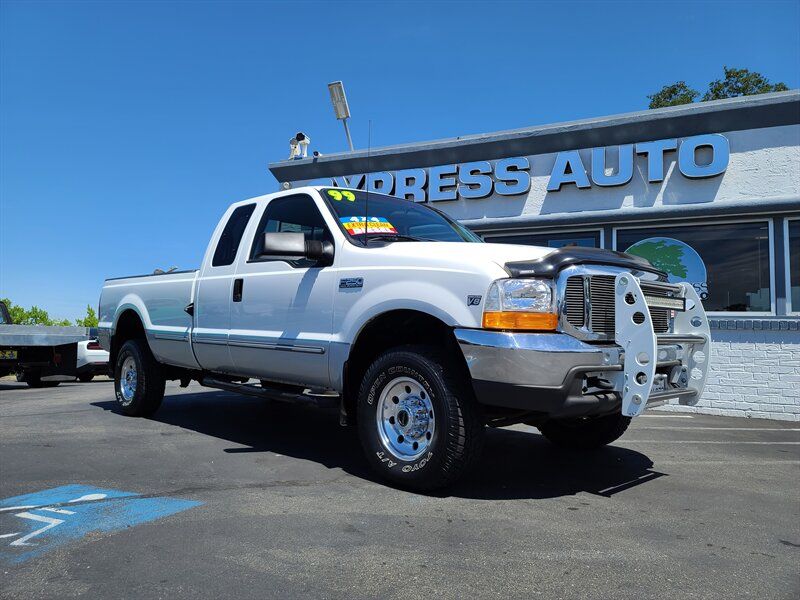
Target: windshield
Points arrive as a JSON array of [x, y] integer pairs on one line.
[[392, 219]]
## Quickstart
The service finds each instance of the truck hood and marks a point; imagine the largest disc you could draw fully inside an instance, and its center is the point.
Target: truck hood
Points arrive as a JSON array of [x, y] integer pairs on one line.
[[452, 254]]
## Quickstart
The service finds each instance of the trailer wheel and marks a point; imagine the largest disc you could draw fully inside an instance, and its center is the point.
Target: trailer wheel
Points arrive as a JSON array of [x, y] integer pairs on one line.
[[138, 379], [585, 433], [34, 379], [419, 424]]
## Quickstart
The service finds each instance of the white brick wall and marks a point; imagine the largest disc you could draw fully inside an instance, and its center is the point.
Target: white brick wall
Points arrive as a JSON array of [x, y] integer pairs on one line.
[[753, 374]]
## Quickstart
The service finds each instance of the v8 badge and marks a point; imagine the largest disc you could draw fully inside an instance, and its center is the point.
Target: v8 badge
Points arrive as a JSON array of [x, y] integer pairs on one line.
[[474, 300]]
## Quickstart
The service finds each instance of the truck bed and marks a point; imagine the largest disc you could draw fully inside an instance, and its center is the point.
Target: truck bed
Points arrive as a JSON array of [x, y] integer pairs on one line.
[[160, 301]]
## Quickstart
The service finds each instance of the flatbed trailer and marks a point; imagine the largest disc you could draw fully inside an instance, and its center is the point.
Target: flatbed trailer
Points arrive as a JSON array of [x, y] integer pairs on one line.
[[38, 353]]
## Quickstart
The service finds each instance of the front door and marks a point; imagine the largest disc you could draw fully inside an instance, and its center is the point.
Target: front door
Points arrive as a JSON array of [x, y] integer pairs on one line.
[[281, 328]]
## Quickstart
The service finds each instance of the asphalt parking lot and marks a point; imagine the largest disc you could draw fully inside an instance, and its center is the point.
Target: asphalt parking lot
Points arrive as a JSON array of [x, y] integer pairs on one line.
[[228, 496]]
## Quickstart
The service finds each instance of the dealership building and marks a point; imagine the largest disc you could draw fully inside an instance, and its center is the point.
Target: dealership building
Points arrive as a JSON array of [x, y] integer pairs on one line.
[[708, 192]]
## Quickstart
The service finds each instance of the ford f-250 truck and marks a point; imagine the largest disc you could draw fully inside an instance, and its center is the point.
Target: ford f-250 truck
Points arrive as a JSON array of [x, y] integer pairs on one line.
[[422, 333]]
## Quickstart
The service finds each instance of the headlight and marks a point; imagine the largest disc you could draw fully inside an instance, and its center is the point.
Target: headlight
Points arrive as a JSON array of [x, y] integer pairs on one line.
[[520, 304]]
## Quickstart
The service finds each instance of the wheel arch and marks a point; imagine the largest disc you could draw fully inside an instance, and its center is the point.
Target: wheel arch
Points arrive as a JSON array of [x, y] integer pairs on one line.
[[129, 325], [391, 329]]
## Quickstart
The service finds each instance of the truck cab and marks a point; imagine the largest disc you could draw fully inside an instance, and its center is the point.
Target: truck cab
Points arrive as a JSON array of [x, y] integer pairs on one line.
[[419, 331]]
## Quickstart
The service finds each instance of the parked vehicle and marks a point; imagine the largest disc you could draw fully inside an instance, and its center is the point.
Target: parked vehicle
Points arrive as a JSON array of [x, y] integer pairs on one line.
[[91, 360], [41, 356], [421, 333]]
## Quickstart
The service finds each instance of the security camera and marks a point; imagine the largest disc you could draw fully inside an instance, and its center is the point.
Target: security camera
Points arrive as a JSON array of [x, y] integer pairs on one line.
[[317, 153], [298, 146], [303, 140]]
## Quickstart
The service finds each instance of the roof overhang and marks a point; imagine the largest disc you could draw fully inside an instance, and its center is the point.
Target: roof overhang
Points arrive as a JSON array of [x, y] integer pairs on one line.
[[735, 114]]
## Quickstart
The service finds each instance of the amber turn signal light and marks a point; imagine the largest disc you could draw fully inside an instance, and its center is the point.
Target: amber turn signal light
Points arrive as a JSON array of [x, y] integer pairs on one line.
[[520, 320]]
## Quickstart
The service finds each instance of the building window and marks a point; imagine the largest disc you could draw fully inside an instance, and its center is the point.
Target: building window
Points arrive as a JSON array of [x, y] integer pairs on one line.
[[793, 264], [727, 263], [589, 239]]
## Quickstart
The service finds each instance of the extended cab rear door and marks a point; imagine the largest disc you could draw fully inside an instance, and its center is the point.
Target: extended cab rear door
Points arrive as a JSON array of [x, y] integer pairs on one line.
[[212, 305], [282, 321]]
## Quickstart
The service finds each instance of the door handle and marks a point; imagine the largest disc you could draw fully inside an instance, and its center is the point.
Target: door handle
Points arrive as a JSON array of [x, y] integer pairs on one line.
[[238, 284]]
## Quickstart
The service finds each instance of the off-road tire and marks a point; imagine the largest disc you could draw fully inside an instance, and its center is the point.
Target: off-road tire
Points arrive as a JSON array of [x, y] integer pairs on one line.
[[150, 380], [85, 377], [585, 433], [457, 438]]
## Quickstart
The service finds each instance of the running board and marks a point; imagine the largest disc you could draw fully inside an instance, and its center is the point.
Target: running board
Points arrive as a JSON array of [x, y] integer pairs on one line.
[[316, 400]]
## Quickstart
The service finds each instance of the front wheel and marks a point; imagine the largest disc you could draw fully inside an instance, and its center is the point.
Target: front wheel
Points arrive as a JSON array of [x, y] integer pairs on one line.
[[138, 380], [418, 421], [585, 433]]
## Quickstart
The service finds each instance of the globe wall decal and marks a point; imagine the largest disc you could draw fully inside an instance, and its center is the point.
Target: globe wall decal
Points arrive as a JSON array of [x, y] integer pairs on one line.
[[677, 259]]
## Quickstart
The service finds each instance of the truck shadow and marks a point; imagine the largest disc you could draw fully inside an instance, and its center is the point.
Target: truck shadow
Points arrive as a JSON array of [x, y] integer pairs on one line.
[[514, 465]]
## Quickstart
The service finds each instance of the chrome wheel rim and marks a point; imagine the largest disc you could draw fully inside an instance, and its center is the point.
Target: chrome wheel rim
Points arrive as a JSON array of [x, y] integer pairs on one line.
[[405, 418], [127, 380]]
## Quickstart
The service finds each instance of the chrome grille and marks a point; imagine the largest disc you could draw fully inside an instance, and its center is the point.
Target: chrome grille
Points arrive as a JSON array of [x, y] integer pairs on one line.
[[573, 298], [601, 294]]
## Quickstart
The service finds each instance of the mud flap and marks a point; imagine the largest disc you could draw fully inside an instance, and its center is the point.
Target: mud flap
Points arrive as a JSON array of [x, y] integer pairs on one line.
[[634, 333], [698, 355]]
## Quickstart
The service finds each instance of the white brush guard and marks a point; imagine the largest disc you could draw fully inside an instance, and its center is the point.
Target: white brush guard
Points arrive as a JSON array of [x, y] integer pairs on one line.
[[685, 352]]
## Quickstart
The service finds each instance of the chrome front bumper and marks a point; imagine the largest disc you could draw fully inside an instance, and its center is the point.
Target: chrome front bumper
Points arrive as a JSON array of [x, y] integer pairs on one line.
[[540, 372], [542, 359], [546, 372]]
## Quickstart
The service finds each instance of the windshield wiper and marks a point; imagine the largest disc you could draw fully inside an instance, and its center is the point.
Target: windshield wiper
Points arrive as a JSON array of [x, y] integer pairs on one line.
[[399, 237]]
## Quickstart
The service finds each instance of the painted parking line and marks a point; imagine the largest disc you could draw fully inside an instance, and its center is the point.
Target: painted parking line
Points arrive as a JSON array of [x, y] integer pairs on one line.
[[692, 428], [33, 524], [627, 441], [666, 417]]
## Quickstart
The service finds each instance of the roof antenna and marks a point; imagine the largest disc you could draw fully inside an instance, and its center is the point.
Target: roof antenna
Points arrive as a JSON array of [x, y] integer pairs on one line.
[[366, 182]]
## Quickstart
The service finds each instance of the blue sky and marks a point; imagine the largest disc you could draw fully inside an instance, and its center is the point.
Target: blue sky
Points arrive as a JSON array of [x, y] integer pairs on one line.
[[128, 127]]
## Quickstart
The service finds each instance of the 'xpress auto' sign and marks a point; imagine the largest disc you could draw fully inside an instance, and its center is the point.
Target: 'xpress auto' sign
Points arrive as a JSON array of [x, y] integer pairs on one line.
[[511, 176]]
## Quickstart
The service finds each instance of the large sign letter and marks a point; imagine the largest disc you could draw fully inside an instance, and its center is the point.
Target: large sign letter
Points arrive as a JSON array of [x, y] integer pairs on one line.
[[624, 170], [568, 168], [720, 155], [411, 182], [655, 157], [475, 180], [512, 176]]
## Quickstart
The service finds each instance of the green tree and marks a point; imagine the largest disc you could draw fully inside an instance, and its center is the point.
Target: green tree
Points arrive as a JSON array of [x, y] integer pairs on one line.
[[90, 320], [31, 316], [673, 95], [17, 313], [741, 82]]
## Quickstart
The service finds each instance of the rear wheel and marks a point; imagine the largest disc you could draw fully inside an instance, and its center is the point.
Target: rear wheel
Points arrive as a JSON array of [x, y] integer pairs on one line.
[[585, 433], [419, 425], [138, 379]]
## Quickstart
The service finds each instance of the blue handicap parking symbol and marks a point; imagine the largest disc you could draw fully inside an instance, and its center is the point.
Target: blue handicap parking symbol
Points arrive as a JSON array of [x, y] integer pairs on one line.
[[33, 524]]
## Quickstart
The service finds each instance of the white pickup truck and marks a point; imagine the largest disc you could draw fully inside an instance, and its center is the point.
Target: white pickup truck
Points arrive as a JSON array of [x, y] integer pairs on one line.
[[420, 332]]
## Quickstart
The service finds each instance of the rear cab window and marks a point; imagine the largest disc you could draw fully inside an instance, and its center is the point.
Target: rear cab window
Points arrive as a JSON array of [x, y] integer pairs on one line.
[[231, 237]]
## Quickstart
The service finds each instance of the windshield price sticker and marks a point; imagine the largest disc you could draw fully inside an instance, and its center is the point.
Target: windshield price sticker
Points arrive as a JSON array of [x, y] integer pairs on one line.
[[356, 225], [342, 194]]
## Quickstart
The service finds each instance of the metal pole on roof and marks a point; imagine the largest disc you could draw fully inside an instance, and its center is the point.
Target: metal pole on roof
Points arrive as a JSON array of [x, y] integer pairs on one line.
[[347, 133], [341, 108]]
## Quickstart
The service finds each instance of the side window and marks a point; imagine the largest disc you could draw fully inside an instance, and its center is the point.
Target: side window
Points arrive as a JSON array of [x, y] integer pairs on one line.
[[232, 235], [293, 214]]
